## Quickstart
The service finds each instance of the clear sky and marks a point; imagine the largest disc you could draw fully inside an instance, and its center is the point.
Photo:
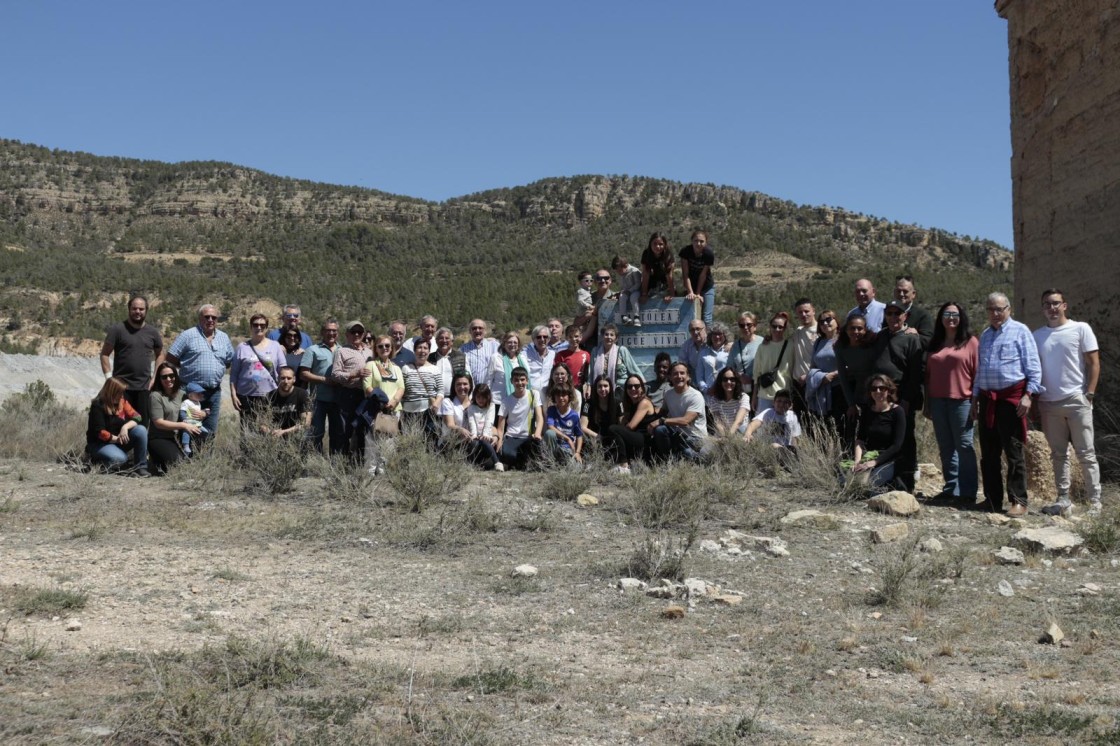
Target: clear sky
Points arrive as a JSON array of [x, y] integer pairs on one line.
[[889, 107]]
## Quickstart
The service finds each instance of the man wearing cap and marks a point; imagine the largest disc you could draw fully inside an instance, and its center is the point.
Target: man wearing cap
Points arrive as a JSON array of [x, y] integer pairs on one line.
[[291, 319], [133, 346], [918, 320], [1008, 374], [202, 354], [866, 306], [1071, 369], [348, 367], [315, 370], [899, 356]]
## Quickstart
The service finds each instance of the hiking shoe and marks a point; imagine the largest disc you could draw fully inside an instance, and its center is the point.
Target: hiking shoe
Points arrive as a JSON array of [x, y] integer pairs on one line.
[[1018, 510], [140, 472], [636, 321], [1065, 510], [1094, 508], [620, 469], [499, 466]]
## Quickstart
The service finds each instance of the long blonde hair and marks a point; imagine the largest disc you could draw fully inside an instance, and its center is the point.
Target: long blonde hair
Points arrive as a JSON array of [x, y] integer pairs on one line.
[[111, 395]]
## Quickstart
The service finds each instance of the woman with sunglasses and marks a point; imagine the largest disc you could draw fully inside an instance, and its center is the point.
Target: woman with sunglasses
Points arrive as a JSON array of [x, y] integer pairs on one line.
[[727, 402], [772, 363], [823, 395], [629, 436], [252, 375], [383, 374], [165, 400], [881, 431], [950, 374], [740, 358], [292, 342]]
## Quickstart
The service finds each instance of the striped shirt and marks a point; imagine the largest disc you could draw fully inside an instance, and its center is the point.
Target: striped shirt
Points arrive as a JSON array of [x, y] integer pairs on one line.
[[478, 358], [202, 361], [421, 385], [1008, 355]]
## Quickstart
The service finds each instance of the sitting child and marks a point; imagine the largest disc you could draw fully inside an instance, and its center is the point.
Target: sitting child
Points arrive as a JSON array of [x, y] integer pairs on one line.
[[629, 293], [564, 435], [780, 421], [191, 411]]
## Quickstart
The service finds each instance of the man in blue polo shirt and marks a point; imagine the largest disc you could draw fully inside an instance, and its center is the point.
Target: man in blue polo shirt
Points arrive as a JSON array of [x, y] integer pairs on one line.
[[202, 354], [315, 369]]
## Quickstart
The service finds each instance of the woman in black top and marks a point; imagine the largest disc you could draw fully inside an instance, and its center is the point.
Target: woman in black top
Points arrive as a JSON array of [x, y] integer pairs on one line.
[[697, 261], [657, 268], [882, 429]]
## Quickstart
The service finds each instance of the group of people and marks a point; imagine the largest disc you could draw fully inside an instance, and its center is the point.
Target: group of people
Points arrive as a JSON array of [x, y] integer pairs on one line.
[[864, 375]]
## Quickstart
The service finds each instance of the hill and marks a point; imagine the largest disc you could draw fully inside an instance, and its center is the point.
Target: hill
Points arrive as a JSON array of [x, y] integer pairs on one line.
[[79, 232]]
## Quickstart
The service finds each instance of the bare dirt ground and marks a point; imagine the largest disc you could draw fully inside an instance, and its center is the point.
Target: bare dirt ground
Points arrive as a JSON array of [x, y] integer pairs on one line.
[[204, 609]]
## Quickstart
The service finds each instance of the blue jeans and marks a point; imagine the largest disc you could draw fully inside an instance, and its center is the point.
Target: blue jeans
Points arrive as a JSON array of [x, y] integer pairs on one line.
[[953, 428], [518, 451], [709, 304], [114, 455], [212, 400], [326, 418], [670, 440]]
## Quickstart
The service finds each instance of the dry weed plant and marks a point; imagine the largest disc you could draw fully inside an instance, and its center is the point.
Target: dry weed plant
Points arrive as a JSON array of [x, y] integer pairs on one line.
[[272, 464], [660, 556], [213, 470], [344, 480], [817, 467], [415, 472], [674, 496], [38, 427]]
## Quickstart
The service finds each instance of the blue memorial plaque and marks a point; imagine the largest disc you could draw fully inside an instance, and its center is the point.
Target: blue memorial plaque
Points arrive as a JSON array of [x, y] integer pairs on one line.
[[664, 329]]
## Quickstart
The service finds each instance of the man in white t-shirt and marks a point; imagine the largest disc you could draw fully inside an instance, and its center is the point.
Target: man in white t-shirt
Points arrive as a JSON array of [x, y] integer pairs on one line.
[[779, 423], [682, 427], [520, 422], [1071, 368]]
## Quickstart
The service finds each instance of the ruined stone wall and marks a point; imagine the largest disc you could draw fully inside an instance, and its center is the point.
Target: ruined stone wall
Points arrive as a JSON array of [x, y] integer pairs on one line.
[[1065, 165]]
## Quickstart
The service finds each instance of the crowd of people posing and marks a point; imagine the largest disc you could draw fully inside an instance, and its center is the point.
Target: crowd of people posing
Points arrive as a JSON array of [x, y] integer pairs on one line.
[[505, 403]]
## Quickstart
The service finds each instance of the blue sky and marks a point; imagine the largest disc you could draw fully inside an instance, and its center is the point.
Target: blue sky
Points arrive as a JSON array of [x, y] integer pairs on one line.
[[897, 109]]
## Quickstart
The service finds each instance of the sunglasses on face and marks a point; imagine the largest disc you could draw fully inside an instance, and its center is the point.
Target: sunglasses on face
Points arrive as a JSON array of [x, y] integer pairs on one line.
[[633, 386], [828, 320], [951, 315], [877, 389], [602, 279], [167, 377], [729, 380], [258, 326], [210, 318], [384, 347]]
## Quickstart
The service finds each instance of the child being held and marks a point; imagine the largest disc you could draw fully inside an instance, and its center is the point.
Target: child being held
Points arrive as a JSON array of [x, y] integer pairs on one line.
[[564, 435], [191, 411], [630, 291]]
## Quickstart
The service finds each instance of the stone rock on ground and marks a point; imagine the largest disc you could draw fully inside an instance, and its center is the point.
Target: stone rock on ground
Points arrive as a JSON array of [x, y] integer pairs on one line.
[[1053, 635], [728, 599], [695, 587], [673, 612], [524, 571], [931, 545], [997, 519], [631, 584], [810, 518], [1040, 470], [1009, 556], [930, 480], [893, 532], [772, 545], [1048, 539], [896, 503], [73, 625], [586, 501], [1004, 588], [707, 545]]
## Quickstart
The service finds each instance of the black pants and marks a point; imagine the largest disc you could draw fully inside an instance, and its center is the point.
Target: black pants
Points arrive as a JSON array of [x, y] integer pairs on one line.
[[627, 445], [141, 401], [162, 453], [906, 464], [354, 435], [1005, 438]]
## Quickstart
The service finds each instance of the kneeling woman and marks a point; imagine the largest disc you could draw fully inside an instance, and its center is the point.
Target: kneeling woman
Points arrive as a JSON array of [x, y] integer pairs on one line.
[[163, 443], [468, 420], [114, 428], [881, 431]]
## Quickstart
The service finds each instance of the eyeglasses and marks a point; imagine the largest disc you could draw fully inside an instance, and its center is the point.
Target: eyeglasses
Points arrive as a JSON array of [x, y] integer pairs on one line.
[[259, 326], [827, 320], [951, 315], [291, 315], [330, 331], [730, 380], [602, 279], [878, 388], [168, 377], [542, 336], [777, 327], [633, 386], [384, 347], [1052, 303], [997, 309], [210, 317]]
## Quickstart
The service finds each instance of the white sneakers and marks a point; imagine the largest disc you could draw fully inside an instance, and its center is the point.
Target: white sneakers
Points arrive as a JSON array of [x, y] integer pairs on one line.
[[499, 466]]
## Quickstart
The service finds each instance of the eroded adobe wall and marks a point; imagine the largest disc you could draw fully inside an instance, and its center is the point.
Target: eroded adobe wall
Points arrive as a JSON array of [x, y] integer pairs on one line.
[[1065, 166]]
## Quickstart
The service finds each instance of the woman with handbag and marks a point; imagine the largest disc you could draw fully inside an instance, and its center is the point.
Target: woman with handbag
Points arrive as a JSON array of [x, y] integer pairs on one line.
[[385, 375], [252, 375], [772, 364]]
